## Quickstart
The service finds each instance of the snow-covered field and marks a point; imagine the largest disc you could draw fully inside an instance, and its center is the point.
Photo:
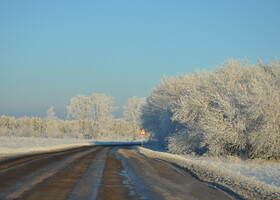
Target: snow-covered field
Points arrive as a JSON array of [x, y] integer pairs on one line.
[[11, 146], [248, 179]]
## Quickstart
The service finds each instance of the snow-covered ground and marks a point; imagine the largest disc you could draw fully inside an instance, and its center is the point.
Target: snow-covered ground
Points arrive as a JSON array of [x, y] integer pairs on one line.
[[259, 170], [11, 146], [248, 179]]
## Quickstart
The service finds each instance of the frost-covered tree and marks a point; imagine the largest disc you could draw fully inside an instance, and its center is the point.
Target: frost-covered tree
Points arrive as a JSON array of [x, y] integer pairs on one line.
[[7, 125], [122, 128], [61, 128], [265, 140], [233, 110], [92, 112], [228, 108], [132, 113], [25, 126], [91, 116], [81, 110], [157, 112], [51, 123], [102, 111]]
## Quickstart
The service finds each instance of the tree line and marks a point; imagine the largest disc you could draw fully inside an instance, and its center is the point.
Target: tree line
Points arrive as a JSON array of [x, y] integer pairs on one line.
[[89, 117]]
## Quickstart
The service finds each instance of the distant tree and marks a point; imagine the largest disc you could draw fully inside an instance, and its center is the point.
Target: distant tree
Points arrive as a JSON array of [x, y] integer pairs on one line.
[[121, 127], [132, 113], [51, 122], [92, 112], [102, 111], [7, 124], [42, 127], [81, 110], [61, 128]]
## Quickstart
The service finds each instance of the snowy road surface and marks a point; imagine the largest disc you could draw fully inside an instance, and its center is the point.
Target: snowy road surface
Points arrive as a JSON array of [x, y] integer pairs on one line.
[[99, 172]]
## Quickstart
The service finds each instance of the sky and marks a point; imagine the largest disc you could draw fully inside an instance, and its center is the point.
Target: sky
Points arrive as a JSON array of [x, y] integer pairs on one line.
[[51, 51]]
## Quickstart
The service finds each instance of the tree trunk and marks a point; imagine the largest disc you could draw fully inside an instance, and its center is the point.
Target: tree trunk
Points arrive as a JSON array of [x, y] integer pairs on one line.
[[134, 134]]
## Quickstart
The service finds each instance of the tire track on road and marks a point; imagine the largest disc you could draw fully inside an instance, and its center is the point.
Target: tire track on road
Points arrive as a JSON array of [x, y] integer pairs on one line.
[[44, 173], [17, 170], [87, 188], [112, 186], [165, 181], [14, 163], [102, 173]]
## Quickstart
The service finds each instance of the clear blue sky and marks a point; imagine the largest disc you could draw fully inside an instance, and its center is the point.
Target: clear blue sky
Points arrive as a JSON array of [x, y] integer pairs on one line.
[[52, 50]]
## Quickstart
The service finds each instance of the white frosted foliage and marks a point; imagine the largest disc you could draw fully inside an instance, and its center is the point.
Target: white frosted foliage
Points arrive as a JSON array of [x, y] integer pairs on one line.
[[51, 122], [232, 110], [132, 113]]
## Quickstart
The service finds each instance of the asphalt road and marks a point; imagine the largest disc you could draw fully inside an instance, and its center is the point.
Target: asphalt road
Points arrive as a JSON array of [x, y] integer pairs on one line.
[[99, 172]]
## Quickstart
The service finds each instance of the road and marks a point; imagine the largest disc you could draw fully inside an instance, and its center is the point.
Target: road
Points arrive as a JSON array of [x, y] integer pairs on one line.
[[99, 172]]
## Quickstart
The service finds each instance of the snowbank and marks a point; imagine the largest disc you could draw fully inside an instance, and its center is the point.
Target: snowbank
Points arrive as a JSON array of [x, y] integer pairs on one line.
[[259, 170], [223, 175]]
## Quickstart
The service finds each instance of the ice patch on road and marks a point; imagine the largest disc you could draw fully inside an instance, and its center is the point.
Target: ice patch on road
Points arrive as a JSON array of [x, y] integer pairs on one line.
[[127, 182]]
